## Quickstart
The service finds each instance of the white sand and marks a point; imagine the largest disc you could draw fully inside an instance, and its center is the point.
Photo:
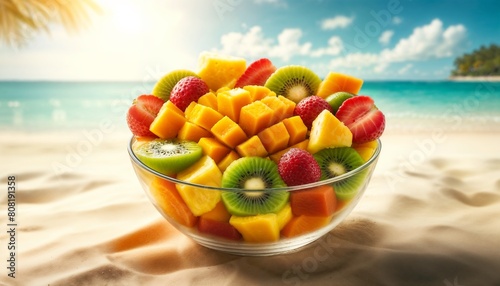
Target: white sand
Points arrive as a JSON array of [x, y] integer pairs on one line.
[[431, 216]]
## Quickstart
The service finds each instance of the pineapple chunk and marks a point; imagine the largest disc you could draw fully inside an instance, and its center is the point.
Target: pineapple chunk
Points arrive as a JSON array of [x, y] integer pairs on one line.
[[328, 132], [220, 71]]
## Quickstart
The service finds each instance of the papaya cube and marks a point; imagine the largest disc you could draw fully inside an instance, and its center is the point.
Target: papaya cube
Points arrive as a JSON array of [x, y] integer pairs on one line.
[[203, 172], [230, 102], [335, 82], [168, 200], [168, 122], [258, 228], [289, 106], [228, 132], [219, 228], [296, 129], [209, 99], [277, 156], [318, 201], [192, 132], [252, 147], [226, 161], [255, 117], [277, 106], [213, 148], [204, 116], [328, 132], [303, 224], [274, 138], [257, 92]]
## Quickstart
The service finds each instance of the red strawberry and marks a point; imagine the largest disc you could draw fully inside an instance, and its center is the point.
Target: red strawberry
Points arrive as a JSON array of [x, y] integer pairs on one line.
[[309, 108], [187, 90], [256, 73], [362, 117], [142, 113], [298, 167]]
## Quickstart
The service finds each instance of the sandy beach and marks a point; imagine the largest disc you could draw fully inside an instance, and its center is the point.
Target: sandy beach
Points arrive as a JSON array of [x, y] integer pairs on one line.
[[428, 217]]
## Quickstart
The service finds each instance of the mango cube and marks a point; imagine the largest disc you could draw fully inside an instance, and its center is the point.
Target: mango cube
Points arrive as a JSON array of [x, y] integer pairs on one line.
[[213, 148], [192, 132], [228, 132], [255, 117], [252, 147], [258, 228], [296, 129], [228, 160], [204, 116], [274, 138], [209, 99], [335, 82], [168, 122], [230, 102]]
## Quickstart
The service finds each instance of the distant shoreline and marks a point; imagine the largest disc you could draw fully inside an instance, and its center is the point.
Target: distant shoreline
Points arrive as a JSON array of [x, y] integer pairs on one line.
[[495, 78]]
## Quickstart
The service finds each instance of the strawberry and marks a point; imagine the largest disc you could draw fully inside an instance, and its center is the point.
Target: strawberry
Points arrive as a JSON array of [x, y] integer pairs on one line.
[[187, 90], [298, 167], [362, 117], [256, 73], [309, 108], [142, 113]]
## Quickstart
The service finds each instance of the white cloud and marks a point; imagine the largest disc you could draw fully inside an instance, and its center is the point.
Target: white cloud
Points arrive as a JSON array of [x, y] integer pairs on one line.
[[426, 42], [385, 37], [397, 20], [336, 22], [255, 44], [405, 69], [334, 48]]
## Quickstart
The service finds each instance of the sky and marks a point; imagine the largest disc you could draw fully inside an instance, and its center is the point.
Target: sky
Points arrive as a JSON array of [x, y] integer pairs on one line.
[[141, 40]]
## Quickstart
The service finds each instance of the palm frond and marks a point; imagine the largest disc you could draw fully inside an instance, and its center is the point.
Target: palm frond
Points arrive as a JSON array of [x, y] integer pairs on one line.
[[20, 19]]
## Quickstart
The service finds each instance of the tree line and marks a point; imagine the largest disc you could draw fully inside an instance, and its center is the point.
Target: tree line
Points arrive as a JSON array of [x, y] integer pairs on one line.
[[481, 62]]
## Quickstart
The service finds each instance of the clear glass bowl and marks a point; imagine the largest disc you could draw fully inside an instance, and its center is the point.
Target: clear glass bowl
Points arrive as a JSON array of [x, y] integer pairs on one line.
[[149, 178]]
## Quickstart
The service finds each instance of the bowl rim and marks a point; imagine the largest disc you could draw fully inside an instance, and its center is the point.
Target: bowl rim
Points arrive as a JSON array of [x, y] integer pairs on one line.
[[368, 163]]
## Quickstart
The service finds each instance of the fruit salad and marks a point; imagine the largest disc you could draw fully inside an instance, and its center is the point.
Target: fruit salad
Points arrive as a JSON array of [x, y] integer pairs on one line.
[[235, 137]]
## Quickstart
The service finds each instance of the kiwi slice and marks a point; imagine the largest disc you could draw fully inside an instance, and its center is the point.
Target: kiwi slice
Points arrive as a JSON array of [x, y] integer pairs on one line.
[[334, 162], [169, 156], [294, 82], [164, 86], [336, 99], [253, 173]]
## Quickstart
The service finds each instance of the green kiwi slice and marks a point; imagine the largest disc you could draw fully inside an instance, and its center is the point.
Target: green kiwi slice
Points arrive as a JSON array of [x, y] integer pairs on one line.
[[336, 99], [169, 156], [164, 86], [334, 162], [253, 173], [294, 82]]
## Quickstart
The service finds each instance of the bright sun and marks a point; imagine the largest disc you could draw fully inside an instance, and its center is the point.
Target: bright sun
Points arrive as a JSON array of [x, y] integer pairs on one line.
[[127, 17]]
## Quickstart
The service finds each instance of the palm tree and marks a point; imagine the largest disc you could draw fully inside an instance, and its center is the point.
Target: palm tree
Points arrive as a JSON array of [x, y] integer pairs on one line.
[[20, 19]]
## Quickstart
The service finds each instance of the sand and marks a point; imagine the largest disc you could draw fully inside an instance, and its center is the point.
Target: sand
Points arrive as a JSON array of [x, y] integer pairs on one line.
[[430, 216]]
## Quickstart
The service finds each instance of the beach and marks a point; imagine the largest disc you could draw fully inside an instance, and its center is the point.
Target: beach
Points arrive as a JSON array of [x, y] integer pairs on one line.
[[428, 217]]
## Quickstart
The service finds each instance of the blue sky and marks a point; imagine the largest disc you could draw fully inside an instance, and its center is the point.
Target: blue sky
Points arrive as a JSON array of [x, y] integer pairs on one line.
[[371, 39]]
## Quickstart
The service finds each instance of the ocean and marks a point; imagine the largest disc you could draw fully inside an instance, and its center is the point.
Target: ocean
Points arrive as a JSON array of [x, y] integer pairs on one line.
[[408, 105]]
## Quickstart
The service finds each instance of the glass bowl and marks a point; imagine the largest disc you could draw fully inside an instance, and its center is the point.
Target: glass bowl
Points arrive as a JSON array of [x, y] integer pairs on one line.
[[161, 191]]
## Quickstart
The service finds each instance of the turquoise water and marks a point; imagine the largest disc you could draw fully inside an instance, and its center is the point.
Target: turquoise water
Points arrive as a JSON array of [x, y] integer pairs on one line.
[[40, 106]]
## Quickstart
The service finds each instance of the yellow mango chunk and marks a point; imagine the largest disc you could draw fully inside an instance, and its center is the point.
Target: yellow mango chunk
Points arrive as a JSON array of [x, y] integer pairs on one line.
[[213, 148], [228, 160], [255, 117], [228, 132], [277, 106], [366, 149], [168, 122], [296, 129], [335, 82], [258, 92], [192, 132], [220, 71], [259, 228], [204, 172], [230, 102], [274, 138], [289, 106], [284, 215], [277, 156], [252, 147], [203, 116], [328, 132], [209, 99]]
